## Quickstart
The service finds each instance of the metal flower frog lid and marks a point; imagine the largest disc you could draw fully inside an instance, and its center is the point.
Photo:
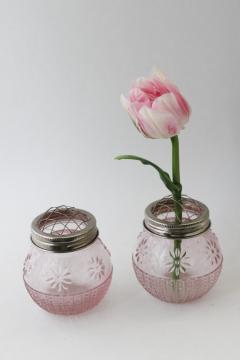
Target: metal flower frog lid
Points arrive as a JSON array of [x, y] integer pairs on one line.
[[63, 229], [160, 218]]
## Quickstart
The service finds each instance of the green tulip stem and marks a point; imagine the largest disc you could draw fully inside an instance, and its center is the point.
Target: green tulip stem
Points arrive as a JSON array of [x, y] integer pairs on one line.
[[176, 194]]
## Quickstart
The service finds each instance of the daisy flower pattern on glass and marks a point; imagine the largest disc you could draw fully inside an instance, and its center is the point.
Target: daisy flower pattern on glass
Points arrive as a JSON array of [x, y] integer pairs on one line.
[[142, 250], [213, 252], [96, 268], [27, 267], [59, 277], [30, 262], [179, 262]]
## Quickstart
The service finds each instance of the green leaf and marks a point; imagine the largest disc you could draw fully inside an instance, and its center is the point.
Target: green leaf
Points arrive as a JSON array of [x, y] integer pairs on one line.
[[174, 188]]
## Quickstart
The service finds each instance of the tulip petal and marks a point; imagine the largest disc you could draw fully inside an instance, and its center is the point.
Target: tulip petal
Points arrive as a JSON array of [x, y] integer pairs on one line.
[[159, 124], [132, 109], [140, 82], [156, 73], [127, 106], [168, 103], [186, 109]]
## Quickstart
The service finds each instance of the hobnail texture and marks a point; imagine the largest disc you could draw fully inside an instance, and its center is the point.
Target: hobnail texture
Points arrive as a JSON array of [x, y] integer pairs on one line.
[[199, 265], [71, 282]]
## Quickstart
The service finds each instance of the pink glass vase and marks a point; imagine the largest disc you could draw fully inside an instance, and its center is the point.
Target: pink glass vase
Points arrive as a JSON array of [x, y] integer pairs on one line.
[[68, 269], [177, 262]]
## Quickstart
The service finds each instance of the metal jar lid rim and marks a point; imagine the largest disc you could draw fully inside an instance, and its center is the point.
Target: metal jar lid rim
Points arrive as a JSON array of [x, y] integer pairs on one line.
[[192, 225], [67, 239]]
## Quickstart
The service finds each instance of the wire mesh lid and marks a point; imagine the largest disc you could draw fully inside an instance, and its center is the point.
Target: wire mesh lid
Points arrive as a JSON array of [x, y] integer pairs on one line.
[[63, 229], [160, 218]]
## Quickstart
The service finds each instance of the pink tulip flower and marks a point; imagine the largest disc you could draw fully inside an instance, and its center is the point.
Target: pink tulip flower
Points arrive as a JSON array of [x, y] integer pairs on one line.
[[156, 106]]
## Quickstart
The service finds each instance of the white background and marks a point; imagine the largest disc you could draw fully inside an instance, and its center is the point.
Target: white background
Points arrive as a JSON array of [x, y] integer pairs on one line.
[[63, 66]]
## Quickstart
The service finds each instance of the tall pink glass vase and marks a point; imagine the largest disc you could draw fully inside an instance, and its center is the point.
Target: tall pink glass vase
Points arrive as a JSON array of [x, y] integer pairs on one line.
[[173, 273], [68, 269]]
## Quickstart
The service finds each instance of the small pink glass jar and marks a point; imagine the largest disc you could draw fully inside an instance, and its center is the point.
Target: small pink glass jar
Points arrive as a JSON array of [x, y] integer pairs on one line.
[[177, 262], [68, 269]]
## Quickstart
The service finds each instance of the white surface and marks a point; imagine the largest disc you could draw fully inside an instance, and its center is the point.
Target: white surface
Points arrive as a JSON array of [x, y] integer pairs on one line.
[[63, 66]]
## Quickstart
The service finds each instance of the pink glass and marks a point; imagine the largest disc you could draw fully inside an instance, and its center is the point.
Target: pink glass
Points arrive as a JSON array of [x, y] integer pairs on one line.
[[68, 283], [197, 263]]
